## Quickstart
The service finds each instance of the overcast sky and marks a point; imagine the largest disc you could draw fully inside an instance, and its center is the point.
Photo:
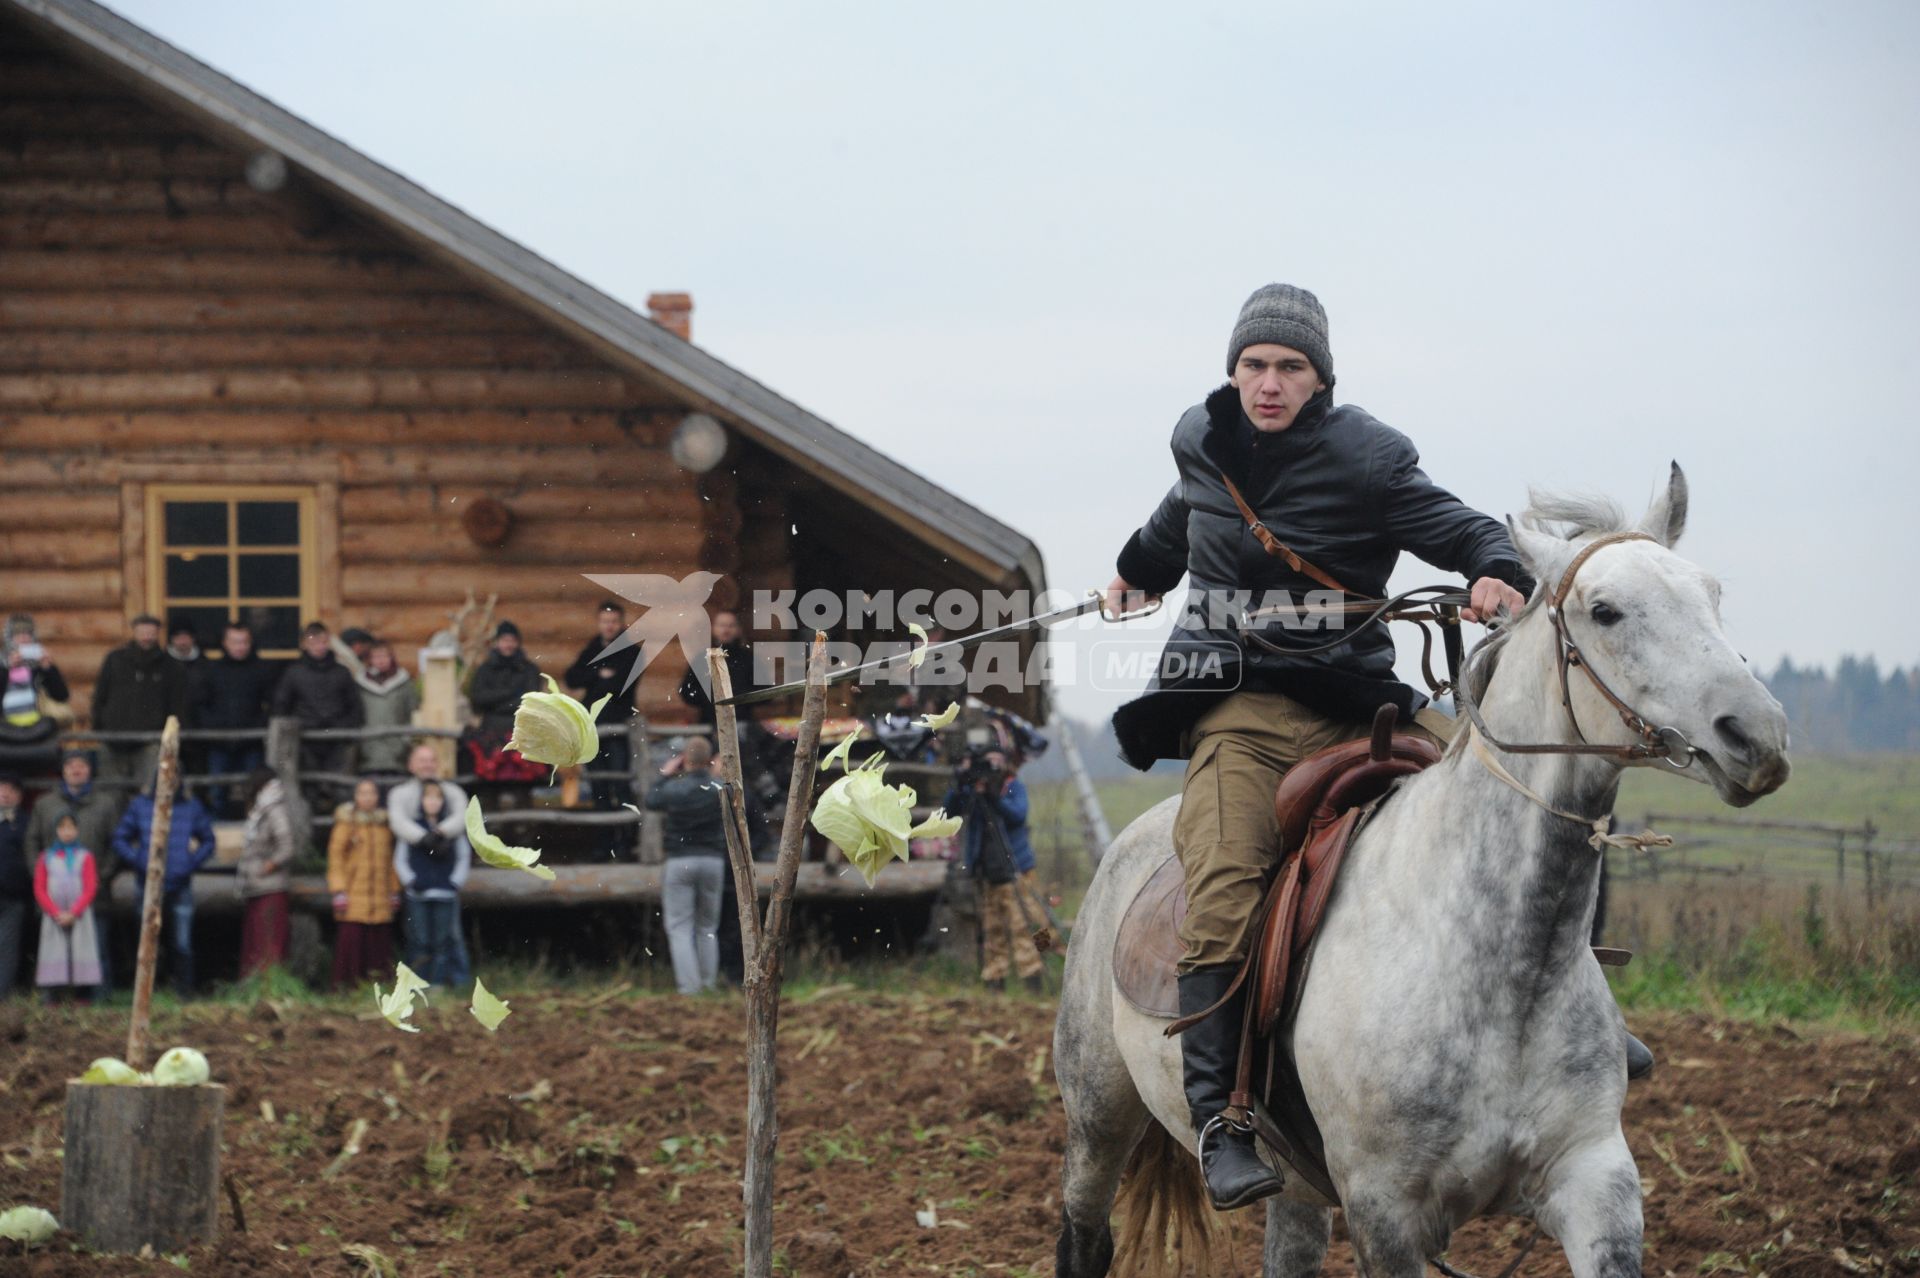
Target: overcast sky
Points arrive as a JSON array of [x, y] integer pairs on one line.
[[1559, 244]]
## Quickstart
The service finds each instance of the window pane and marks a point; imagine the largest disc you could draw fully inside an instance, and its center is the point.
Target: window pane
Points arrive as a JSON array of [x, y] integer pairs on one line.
[[269, 523], [208, 621], [196, 523], [197, 576], [273, 625], [270, 575]]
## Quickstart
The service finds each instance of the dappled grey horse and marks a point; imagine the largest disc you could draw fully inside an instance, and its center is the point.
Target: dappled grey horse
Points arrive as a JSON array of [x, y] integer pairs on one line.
[[1456, 1041]]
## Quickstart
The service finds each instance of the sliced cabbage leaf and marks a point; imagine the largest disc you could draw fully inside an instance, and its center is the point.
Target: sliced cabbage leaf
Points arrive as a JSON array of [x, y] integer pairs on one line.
[[487, 1009], [181, 1067], [495, 851], [938, 825], [397, 1006], [553, 727], [919, 653], [941, 720], [110, 1071], [867, 819], [841, 753], [29, 1225]]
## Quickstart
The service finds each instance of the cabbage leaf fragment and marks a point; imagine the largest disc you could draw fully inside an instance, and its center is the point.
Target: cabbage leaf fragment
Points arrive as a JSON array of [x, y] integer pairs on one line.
[[110, 1071], [495, 851], [941, 720], [487, 1009], [871, 821], [29, 1225], [397, 1006]]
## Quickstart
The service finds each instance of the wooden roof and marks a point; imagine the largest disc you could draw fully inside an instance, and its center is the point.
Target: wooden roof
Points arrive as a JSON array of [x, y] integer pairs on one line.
[[234, 114]]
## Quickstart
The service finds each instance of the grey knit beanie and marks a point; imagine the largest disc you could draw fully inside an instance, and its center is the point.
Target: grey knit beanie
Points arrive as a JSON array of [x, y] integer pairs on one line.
[[1287, 316]]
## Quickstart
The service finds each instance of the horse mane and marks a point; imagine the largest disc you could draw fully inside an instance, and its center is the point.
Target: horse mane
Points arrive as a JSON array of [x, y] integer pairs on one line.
[[1569, 516]]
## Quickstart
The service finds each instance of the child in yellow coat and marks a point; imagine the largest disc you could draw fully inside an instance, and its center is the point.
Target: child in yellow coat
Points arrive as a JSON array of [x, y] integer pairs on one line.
[[366, 891]]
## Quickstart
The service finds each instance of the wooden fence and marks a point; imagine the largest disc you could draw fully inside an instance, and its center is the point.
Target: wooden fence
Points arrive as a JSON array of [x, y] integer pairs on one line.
[[1859, 859], [575, 885]]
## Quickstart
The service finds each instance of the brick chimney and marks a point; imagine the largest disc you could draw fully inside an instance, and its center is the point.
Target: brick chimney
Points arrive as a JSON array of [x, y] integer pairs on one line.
[[673, 312]]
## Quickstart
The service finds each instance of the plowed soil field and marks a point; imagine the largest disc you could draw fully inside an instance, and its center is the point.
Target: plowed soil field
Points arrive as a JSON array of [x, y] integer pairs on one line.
[[602, 1135]]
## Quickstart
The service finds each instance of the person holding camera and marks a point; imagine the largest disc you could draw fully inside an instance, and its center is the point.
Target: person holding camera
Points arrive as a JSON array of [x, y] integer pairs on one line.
[[993, 802], [691, 799]]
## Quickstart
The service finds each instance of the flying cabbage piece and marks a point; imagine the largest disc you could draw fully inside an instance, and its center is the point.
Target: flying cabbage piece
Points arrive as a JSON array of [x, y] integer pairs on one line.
[[552, 727], [110, 1071], [29, 1225], [919, 653], [487, 1009], [935, 722], [871, 821], [841, 753], [181, 1067], [397, 1006], [495, 851]]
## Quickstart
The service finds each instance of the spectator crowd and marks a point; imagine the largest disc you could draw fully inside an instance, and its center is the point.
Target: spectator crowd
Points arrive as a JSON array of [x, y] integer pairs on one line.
[[73, 821]]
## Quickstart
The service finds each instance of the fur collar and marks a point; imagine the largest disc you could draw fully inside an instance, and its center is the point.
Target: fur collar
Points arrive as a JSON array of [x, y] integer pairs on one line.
[[366, 680], [349, 813], [1224, 415]]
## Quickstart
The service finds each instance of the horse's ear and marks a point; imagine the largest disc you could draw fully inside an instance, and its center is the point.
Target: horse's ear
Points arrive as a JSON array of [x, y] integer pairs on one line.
[[1666, 518], [1545, 556]]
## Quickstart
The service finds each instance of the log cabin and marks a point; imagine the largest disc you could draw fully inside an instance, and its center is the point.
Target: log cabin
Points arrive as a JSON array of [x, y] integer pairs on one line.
[[246, 371]]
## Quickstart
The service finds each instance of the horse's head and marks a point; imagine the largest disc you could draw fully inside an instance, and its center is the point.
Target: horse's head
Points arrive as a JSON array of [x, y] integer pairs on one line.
[[1647, 623]]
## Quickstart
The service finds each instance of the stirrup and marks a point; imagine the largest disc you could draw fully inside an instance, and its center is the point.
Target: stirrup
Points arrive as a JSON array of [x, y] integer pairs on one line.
[[1222, 1119]]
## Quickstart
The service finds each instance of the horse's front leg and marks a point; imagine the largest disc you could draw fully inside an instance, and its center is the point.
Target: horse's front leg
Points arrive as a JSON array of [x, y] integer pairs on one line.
[[1592, 1206], [1296, 1242]]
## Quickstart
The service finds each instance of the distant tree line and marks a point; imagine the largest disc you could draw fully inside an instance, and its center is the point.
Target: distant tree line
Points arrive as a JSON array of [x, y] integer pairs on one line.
[[1854, 709]]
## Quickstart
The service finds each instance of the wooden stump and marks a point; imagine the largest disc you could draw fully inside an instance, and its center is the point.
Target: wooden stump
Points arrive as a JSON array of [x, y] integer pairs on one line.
[[142, 1166]]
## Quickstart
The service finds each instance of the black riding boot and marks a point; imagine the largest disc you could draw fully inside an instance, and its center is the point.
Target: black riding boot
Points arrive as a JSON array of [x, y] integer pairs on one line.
[[1210, 1056]]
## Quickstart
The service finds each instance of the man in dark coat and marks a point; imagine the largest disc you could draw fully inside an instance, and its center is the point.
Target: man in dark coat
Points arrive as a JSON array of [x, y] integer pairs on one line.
[[320, 692], [234, 690], [725, 635], [501, 680], [594, 675], [499, 683], [138, 687], [1346, 493]]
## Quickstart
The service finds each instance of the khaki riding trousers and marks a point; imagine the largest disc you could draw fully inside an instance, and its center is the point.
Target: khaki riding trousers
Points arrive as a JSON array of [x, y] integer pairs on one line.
[[1226, 832]]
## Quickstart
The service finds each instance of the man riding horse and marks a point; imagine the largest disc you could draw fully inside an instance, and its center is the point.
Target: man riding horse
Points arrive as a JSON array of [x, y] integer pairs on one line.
[[1282, 496]]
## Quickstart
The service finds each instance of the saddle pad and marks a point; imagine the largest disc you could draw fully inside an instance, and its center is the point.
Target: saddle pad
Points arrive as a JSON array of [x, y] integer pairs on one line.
[[1148, 946]]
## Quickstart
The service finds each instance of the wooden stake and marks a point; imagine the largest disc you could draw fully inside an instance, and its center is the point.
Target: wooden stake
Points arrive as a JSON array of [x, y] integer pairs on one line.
[[726, 744], [168, 781], [765, 947]]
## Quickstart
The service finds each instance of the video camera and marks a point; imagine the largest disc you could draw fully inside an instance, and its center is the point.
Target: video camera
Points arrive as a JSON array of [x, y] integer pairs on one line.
[[976, 768]]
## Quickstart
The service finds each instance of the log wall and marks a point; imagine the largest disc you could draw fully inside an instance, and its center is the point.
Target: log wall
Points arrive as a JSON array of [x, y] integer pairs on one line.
[[162, 322]]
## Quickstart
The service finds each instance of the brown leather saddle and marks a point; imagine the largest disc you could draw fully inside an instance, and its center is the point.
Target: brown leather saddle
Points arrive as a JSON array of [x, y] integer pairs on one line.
[[1320, 803]]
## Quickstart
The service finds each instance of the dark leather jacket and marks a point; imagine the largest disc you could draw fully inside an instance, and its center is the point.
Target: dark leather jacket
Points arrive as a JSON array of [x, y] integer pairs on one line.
[[1347, 494]]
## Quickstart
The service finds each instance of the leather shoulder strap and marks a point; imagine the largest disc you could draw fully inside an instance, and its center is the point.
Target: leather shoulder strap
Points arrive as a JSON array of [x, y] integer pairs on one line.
[[1273, 545]]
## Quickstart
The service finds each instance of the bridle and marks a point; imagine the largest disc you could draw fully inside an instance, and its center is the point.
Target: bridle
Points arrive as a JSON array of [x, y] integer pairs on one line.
[[1667, 745]]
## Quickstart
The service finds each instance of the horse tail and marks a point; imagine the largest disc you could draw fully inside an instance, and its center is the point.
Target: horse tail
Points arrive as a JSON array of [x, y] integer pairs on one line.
[[1167, 1226]]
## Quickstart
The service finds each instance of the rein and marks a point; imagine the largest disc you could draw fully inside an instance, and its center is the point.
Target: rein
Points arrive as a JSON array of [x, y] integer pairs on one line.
[[1425, 606], [1668, 745]]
